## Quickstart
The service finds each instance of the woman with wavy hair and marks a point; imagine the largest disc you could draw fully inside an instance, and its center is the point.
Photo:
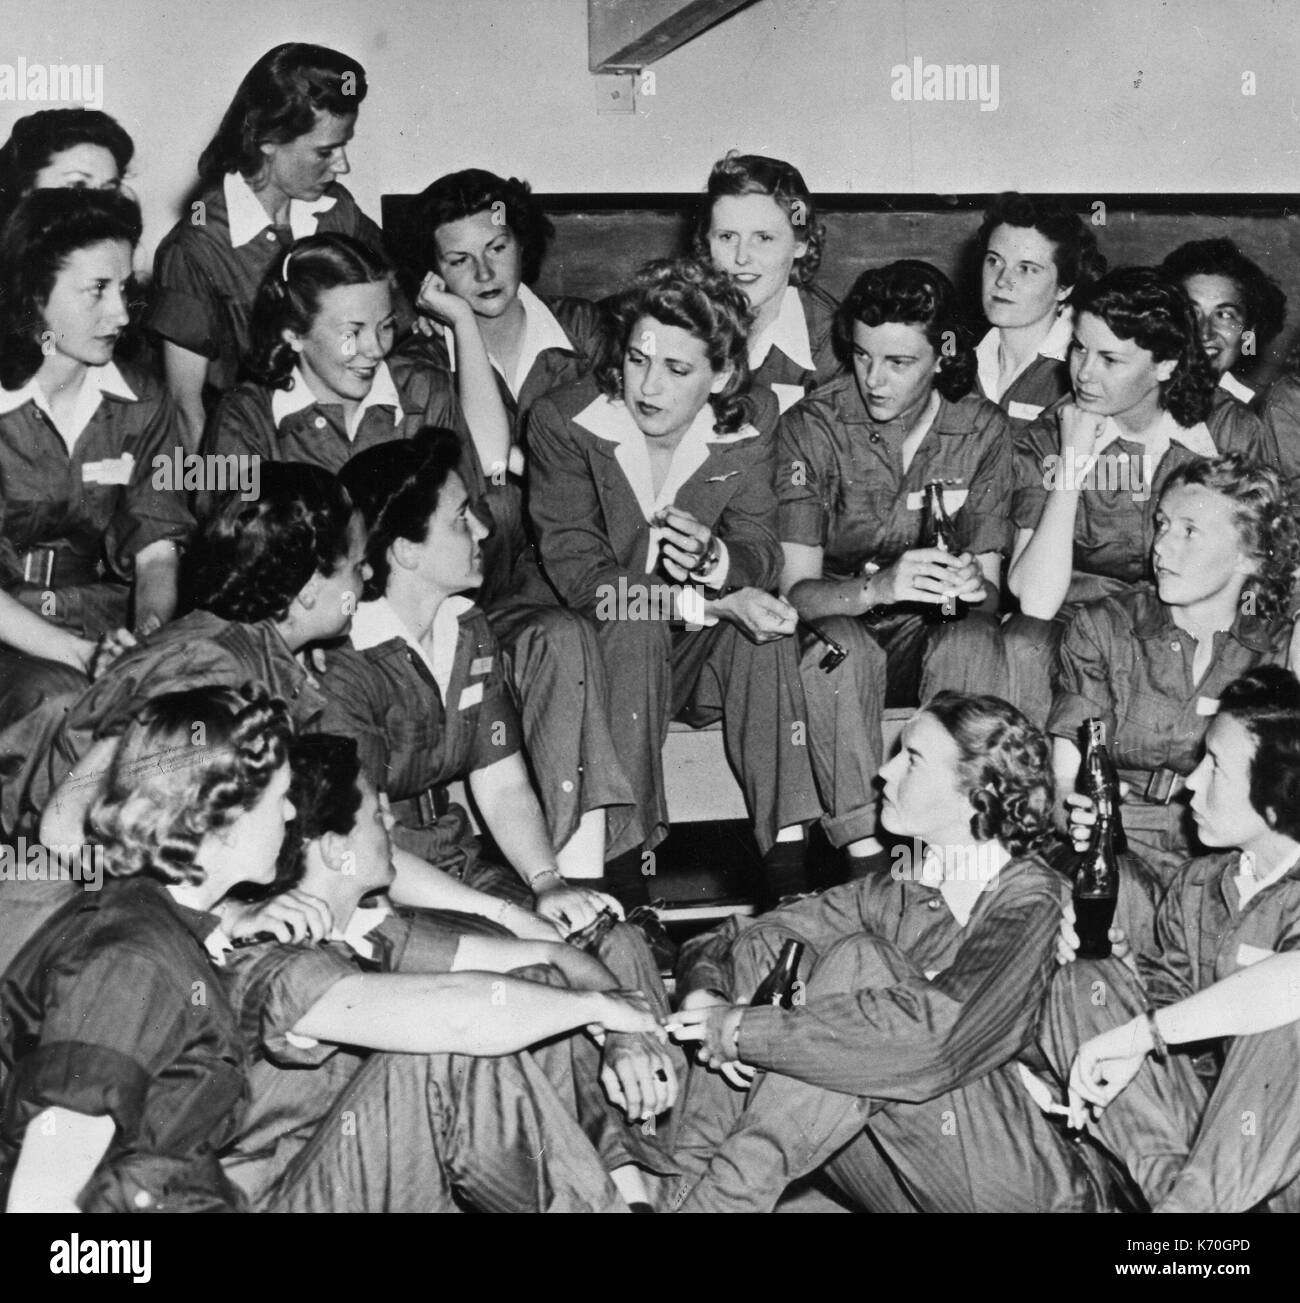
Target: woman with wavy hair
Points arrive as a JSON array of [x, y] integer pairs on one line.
[[1090, 471], [651, 495], [917, 999], [88, 544], [758, 223], [853, 463], [482, 238], [123, 1064], [1153, 661], [1035, 255], [268, 177]]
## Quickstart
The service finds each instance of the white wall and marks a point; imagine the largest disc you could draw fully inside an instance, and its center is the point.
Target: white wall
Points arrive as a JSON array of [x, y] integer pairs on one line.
[[1115, 95]]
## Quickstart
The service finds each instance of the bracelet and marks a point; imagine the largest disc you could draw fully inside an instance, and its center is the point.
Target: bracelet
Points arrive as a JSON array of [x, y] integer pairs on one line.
[[545, 873], [1159, 1048]]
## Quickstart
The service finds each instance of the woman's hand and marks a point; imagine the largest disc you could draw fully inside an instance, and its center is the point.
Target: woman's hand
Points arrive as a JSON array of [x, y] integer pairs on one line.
[[716, 1029], [441, 304], [1067, 941], [571, 907], [1104, 1066], [638, 1075], [1081, 814], [293, 917], [109, 648], [1080, 430], [528, 926], [760, 616], [927, 574], [685, 544]]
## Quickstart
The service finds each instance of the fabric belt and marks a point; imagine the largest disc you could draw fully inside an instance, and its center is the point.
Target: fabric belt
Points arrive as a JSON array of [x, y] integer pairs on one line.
[[58, 567], [424, 809], [1158, 786]]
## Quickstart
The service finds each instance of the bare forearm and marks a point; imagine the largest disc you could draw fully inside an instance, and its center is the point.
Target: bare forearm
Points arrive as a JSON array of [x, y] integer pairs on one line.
[[480, 400], [453, 1013], [61, 1150], [156, 571], [1256, 999], [818, 598], [419, 883], [33, 634], [514, 816], [1040, 576]]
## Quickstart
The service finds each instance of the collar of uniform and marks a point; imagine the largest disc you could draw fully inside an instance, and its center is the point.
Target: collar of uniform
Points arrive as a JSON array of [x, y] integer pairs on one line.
[[542, 330], [247, 218], [1242, 393], [1249, 886], [377, 622], [1055, 345], [1166, 431], [98, 382], [1153, 619], [203, 925], [964, 874], [298, 397], [609, 419], [363, 922], [946, 421], [789, 333]]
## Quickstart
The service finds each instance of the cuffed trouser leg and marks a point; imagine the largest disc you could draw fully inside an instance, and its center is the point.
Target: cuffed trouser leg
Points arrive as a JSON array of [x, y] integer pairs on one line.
[[756, 689], [845, 708], [638, 668], [1149, 1126], [553, 659], [411, 1129]]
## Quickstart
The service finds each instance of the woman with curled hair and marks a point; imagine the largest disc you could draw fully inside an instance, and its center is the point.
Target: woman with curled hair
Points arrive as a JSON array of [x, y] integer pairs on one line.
[[853, 463], [268, 177], [77, 149], [88, 542], [651, 495], [1090, 471], [918, 995], [1035, 254], [482, 238], [758, 224], [106, 1110], [268, 576], [1152, 661]]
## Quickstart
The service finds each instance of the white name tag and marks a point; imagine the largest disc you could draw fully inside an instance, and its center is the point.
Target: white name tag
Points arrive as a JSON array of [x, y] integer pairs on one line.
[[787, 395], [1247, 955], [481, 665], [471, 696], [952, 500], [1023, 411], [113, 470], [1207, 705]]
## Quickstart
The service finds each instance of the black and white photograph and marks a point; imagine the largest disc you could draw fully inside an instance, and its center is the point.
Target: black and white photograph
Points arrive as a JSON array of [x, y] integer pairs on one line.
[[655, 606]]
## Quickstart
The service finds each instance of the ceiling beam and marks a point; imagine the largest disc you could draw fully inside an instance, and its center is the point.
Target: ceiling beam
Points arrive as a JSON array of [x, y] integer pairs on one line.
[[630, 34]]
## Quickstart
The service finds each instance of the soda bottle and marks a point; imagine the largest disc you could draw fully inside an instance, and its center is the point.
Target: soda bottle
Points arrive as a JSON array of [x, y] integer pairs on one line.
[[1100, 781], [937, 530], [1096, 889], [777, 988]]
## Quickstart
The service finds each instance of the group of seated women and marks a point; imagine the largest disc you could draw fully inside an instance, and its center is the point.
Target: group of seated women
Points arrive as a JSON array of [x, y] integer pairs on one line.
[[288, 555]]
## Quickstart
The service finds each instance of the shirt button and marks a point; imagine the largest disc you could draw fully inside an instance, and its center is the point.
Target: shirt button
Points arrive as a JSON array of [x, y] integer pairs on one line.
[[319, 422], [141, 1199], [566, 786], [933, 904], [1174, 646], [270, 235]]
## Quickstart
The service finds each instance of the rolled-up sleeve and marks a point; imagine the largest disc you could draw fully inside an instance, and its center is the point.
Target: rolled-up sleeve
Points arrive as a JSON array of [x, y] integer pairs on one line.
[[181, 308], [800, 478]]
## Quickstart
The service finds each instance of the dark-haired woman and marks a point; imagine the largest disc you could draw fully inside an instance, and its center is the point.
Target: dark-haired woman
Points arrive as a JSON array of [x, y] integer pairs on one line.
[[424, 689], [1239, 308], [853, 463], [268, 177], [1152, 662], [1090, 470], [269, 575], [87, 543], [901, 1070], [651, 494], [483, 238], [758, 224], [1034, 254], [75, 149], [323, 386]]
